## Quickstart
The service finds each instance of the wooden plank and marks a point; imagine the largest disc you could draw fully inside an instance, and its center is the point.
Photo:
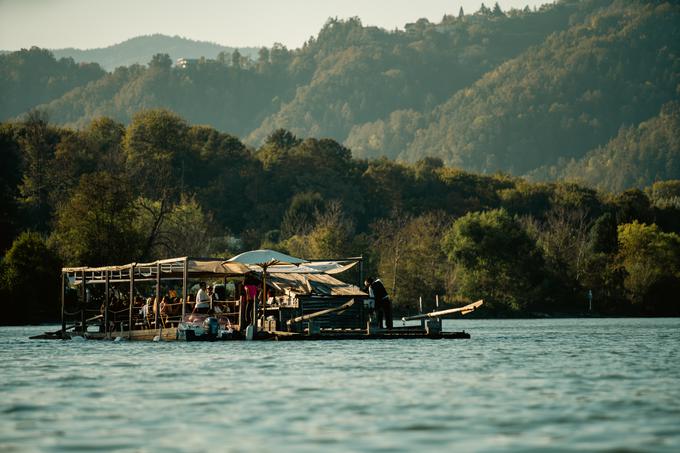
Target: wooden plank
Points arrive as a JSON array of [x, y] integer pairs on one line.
[[436, 314], [342, 307]]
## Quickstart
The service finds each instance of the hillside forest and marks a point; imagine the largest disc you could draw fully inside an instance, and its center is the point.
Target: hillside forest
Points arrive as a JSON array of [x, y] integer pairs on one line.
[[526, 157], [161, 187], [580, 89]]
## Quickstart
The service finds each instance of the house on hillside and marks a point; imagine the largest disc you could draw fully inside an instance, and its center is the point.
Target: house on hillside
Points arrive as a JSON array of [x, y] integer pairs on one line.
[[186, 62]]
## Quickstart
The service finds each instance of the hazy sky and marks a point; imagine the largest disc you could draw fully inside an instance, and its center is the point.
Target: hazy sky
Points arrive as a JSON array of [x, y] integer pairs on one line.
[[96, 23]]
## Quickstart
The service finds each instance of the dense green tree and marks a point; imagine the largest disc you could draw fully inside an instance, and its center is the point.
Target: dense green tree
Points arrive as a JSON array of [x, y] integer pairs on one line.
[[37, 140], [95, 227], [411, 262], [30, 280], [330, 237], [223, 174], [496, 260], [10, 178], [300, 216], [651, 261], [186, 230], [632, 205]]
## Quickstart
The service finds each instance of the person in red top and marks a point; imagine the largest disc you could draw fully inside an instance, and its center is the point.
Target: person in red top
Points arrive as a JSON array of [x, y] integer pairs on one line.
[[250, 288]]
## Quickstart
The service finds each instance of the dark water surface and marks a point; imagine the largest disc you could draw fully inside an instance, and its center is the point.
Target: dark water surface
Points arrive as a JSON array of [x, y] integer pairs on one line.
[[517, 385]]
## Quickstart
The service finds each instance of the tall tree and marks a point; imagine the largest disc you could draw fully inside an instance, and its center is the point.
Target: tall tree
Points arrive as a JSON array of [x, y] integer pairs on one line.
[[10, 178], [651, 261], [95, 227], [495, 259], [30, 279], [37, 142], [157, 159]]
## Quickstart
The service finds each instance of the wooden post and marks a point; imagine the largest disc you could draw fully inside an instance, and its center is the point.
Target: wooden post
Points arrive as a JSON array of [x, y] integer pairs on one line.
[[84, 306], [132, 298], [254, 322], [63, 305], [361, 271], [106, 304], [420, 311], [241, 304], [158, 297], [185, 276], [264, 296]]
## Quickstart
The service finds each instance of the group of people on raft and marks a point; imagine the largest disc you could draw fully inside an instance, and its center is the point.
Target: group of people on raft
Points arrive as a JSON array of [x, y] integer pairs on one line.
[[206, 301]]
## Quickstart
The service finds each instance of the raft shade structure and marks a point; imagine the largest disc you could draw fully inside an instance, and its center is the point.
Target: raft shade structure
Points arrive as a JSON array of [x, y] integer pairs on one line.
[[308, 303], [264, 259]]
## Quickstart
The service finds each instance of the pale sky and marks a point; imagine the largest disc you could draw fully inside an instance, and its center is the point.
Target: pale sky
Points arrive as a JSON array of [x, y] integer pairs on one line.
[[95, 23]]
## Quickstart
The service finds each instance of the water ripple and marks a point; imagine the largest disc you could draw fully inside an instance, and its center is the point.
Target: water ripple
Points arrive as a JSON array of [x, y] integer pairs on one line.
[[517, 385]]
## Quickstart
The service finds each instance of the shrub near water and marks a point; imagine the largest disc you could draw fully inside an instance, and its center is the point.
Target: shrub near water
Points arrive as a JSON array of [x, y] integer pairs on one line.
[[30, 280], [651, 261]]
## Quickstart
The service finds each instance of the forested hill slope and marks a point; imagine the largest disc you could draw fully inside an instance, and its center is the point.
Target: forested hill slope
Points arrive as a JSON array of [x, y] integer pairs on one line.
[[141, 49], [514, 91], [33, 76], [362, 74], [564, 97], [636, 157]]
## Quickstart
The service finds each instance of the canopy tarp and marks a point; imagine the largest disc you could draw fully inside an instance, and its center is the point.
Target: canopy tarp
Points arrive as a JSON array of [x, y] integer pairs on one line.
[[253, 261], [314, 267], [217, 267], [172, 267], [265, 258], [306, 284]]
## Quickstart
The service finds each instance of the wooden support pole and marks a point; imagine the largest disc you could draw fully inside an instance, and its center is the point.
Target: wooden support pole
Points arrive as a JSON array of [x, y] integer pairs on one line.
[[132, 299], [241, 305], [361, 271], [158, 295], [254, 318], [84, 306], [107, 291], [185, 276], [264, 296], [63, 306]]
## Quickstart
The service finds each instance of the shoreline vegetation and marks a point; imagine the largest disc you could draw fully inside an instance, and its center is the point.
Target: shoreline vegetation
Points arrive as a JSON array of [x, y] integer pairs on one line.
[[159, 187]]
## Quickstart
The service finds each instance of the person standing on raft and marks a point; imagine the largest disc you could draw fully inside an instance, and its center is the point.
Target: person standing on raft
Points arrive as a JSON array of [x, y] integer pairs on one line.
[[202, 300], [383, 304]]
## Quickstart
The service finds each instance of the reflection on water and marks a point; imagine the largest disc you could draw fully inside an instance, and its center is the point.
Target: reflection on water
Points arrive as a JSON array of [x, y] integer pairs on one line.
[[575, 384]]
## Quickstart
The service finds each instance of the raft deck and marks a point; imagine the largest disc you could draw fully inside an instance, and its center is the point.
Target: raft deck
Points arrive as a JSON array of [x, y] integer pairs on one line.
[[171, 334]]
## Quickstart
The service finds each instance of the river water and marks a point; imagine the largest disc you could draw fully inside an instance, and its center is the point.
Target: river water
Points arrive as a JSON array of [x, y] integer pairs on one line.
[[516, 385]]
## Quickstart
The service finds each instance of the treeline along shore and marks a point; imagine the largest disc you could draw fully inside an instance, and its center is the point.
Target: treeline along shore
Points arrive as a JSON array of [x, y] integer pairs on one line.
[[160, 187]]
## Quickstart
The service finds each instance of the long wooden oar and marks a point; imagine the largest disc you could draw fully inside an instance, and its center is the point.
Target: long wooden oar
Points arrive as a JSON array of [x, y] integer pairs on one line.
[[341, 308], [437, 314]]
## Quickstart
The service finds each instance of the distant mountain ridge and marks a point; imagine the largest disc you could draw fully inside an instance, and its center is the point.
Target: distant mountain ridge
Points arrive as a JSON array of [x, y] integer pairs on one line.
[[140, 49]]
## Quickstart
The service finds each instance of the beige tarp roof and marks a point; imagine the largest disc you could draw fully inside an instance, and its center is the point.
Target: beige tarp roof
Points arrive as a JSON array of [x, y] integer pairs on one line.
[[314, 267], [174, 266], [322, 284], [298, 276]]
